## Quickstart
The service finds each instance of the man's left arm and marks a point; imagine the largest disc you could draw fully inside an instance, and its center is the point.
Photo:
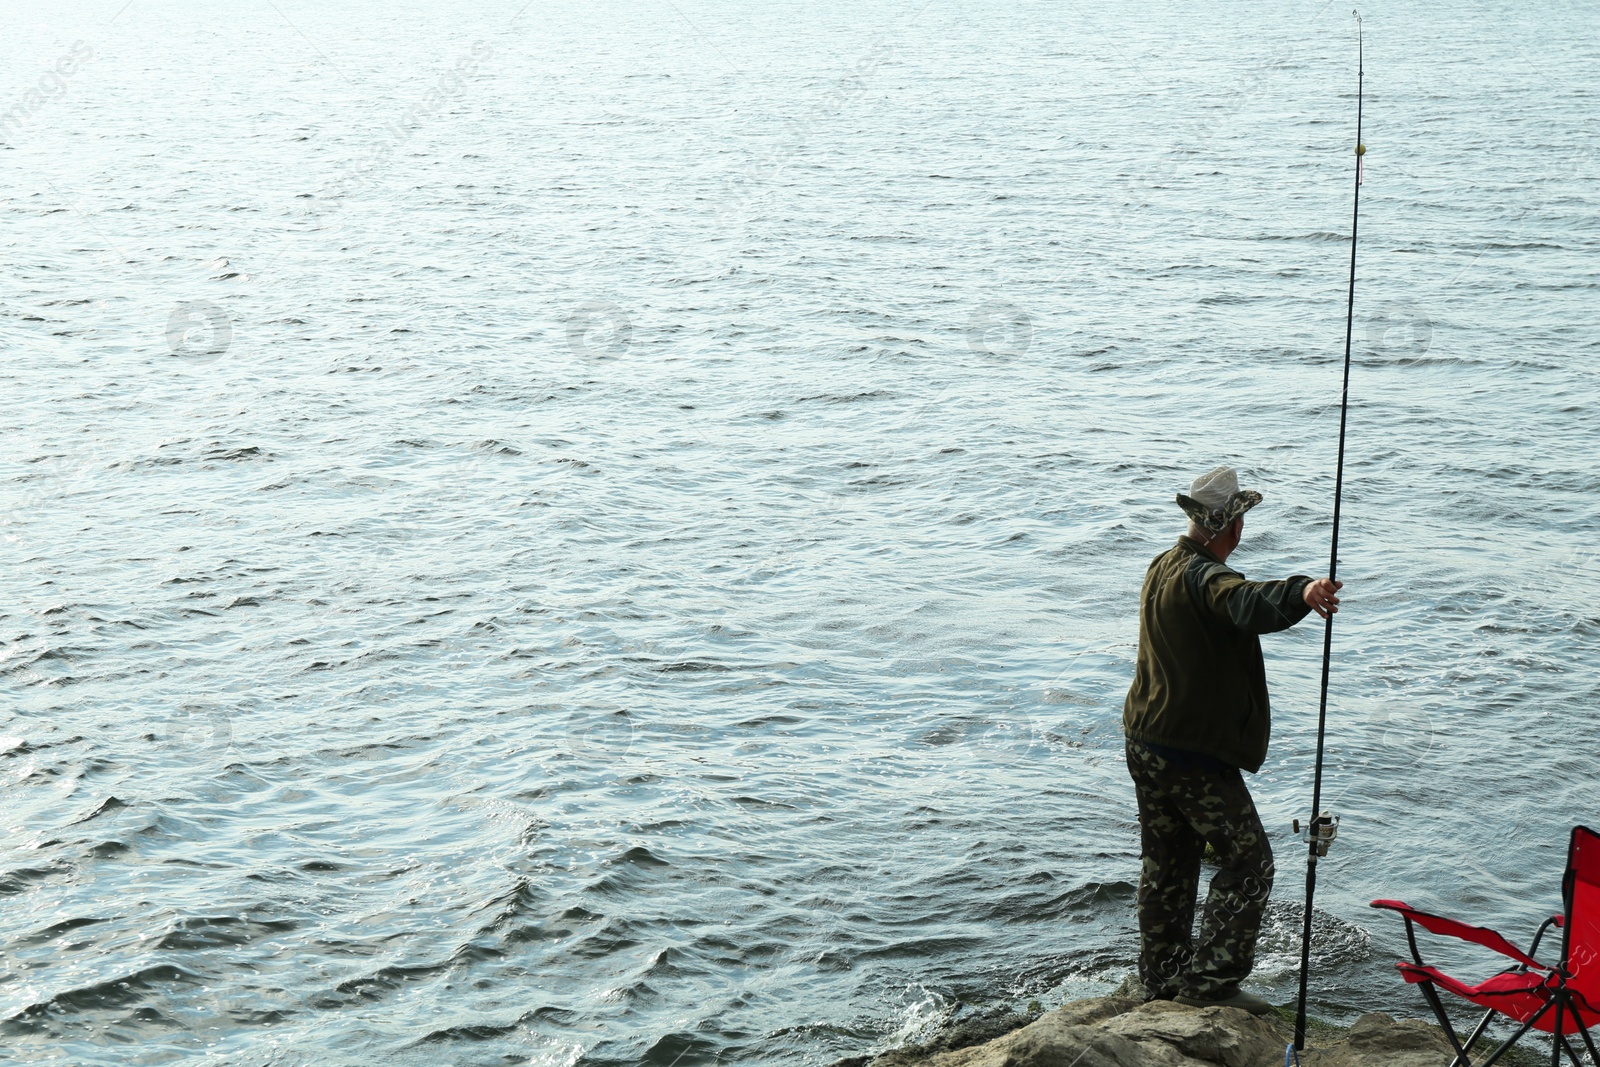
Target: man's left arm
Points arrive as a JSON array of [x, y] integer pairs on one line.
[[1267, 607], [1257, 607]]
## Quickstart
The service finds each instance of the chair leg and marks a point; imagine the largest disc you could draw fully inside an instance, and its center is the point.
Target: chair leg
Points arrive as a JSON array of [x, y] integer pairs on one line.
[[1588, 1042], [1576, 1021], [1505, 1045], [1555, 1035], [1477, 1032], [1432, 997]]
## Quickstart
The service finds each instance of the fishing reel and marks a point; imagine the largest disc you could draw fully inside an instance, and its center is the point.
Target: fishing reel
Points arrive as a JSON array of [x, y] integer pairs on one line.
[[1320, 833]]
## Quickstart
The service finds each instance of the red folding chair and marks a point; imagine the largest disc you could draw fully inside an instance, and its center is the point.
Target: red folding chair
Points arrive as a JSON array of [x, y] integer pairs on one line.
[[1559, 999]]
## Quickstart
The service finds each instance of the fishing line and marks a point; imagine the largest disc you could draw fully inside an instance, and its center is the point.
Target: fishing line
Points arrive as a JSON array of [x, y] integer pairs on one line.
[[1324, 826]]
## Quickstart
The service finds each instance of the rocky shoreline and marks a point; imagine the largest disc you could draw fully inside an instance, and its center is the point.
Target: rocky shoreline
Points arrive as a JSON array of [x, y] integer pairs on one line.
[[1120, 1032]]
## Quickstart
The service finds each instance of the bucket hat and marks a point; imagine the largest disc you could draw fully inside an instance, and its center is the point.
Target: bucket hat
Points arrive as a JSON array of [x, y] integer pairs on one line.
[[1215, 499]]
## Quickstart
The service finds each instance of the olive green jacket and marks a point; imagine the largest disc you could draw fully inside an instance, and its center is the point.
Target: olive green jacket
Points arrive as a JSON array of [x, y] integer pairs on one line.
[[1200, 683]]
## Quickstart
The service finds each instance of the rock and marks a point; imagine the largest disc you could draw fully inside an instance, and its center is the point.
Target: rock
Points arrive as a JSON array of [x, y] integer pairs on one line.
[[1119, 1032], [1115, 1032], [962, 1033], [1378, 1041], [1227, 1036]]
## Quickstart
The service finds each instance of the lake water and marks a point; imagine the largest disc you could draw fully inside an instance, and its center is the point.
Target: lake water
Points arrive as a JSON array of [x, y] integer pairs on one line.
[[609, 533]]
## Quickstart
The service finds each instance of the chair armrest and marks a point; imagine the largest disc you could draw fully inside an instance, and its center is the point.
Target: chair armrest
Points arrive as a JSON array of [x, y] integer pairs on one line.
[[1554, 920], [1477, 935]]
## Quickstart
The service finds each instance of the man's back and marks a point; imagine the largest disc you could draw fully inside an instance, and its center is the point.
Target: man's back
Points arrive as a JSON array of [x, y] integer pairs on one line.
[[1200, 684]]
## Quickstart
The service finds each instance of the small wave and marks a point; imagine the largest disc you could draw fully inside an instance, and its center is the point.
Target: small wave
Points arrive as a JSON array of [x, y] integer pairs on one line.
[[55, 930], [124, 992], [771, 720], [691, 666], [496, 448], [473, 1032], [921, 948], [842, 398], [1030, 906], [24, 878], [106, 807], [638, 856], [681, 1047], [216, 931], [384, 981], [759, 802], [1321, 236], [613, 937], [1335, 942], [521, 900], [232, 454]]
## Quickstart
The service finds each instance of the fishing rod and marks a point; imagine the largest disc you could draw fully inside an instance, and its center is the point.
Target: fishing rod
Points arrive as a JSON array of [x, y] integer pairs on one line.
[[1324, 827]]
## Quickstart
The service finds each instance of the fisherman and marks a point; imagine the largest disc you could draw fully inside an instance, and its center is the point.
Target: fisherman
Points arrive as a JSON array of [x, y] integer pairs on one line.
[[1195, 715]]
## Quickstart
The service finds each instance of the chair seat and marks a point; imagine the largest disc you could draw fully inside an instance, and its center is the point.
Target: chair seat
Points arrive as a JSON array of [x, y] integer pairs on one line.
[[1517, 994]]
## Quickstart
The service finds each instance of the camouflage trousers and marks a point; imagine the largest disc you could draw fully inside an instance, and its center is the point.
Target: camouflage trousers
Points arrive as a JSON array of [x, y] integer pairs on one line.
[[1180, 812]]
